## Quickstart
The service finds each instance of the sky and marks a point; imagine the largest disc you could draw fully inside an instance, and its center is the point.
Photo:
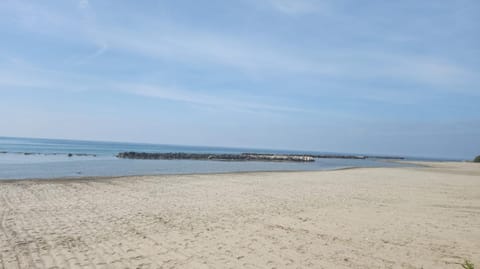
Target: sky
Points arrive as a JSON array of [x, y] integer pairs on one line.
[[372, 77]]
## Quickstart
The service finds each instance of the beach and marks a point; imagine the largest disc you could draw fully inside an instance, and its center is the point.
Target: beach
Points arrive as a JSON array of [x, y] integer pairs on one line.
[[401, 217]]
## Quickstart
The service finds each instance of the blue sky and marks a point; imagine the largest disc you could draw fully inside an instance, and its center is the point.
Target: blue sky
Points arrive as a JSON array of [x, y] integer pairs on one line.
[[383, 77]]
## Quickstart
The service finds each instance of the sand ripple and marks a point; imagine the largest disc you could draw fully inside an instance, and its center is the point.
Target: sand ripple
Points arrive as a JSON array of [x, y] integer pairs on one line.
[[358, 218]]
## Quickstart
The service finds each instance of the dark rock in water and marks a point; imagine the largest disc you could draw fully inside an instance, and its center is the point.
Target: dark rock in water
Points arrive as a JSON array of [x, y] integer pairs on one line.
[[81, 155], [218, 157]]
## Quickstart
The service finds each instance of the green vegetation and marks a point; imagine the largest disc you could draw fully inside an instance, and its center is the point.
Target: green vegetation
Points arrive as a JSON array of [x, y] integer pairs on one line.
[[477, 159], [467, 264]]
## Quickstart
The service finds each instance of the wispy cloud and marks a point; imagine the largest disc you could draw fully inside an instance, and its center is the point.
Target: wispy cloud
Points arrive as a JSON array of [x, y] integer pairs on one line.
[[296, 7], [36, 18], [27, 76], [197, 48], [193, 97], [207, 48], [83, 4], [102, 48]]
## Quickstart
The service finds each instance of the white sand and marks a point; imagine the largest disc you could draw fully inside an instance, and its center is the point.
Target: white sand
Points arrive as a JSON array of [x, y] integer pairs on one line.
[[357, 218]]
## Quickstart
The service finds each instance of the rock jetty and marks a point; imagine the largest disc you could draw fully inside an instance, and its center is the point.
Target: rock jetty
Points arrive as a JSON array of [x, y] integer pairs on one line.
[[217, 157], [50, 154]]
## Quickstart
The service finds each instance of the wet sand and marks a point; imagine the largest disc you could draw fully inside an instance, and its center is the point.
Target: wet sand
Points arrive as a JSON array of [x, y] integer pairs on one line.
[[411, 217]]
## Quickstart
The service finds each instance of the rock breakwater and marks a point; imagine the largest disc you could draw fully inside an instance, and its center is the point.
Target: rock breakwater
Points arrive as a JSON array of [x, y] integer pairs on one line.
[[218, 157]]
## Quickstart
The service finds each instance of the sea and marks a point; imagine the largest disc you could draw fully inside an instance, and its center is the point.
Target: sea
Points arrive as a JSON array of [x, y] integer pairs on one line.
[[35, 158]]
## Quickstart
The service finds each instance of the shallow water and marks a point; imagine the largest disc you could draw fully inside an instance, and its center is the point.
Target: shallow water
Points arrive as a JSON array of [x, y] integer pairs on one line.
[[48, 158]]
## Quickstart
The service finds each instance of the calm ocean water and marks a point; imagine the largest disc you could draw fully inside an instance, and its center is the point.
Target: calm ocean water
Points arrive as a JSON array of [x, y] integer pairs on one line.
[[22, 158]]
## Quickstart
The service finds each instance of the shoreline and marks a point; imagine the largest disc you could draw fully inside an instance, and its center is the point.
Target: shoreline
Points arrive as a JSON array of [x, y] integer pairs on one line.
[[93, 178]]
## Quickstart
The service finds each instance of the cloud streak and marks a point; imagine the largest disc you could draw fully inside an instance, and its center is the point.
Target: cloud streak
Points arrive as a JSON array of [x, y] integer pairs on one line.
[[197, 48], [297, 7], [180, 95], [83, 4], [167, 41], [30, 77]]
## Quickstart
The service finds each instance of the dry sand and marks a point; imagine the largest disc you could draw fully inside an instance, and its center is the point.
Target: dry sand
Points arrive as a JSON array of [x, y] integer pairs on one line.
[[358, 218]]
